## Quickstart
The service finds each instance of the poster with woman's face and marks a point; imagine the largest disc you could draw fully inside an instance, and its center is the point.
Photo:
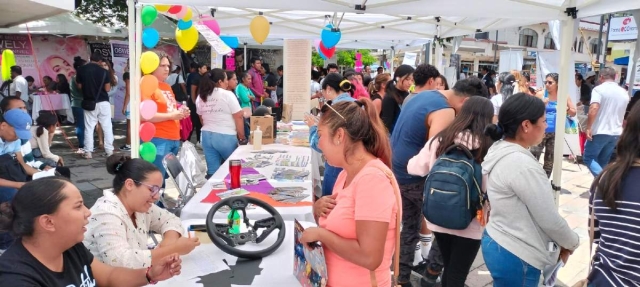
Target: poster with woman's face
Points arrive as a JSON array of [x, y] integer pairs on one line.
[[55, 56]]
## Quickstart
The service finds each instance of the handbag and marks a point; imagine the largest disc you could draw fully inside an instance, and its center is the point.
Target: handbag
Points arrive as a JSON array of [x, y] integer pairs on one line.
[[177, 91], [396, 254], [11, 169], [90, 105]]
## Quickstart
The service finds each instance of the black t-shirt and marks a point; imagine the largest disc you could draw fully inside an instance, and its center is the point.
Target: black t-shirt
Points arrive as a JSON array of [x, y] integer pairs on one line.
[[271, 80], [390, 110], [126, 76], [193, 80], [90, 76], [375, 96], [18, 268]]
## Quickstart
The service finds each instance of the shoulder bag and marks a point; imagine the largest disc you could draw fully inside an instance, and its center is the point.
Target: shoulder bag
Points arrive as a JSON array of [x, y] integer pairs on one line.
[[90, 105], [396, 254]]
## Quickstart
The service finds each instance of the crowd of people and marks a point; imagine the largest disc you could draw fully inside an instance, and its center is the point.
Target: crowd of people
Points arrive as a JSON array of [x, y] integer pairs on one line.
[[380, 154]]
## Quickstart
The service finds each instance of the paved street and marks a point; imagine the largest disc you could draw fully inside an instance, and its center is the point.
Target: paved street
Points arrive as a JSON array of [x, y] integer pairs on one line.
[[91, 177]]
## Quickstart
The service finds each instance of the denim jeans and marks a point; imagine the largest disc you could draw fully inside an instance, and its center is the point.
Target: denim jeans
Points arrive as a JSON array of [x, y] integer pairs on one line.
[[217, 148], [78, 115], [507, 270], [6, 194], [163, 148], [330, 175], [597, 152]]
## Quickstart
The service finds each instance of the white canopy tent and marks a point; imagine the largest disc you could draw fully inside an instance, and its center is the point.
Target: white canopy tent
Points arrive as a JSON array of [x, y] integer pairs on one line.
[[65, 24], [15, 12], [409, 18]]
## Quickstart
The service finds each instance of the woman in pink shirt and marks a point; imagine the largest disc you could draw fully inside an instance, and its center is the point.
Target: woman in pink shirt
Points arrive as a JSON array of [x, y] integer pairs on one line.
[[458, 247], [358, 221]]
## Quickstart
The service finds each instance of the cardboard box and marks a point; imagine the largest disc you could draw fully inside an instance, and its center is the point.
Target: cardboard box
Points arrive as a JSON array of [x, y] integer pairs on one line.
[[266, 126]]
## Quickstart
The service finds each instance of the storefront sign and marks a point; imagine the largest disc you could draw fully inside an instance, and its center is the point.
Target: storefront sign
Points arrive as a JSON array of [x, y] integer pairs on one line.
[[623, 29]]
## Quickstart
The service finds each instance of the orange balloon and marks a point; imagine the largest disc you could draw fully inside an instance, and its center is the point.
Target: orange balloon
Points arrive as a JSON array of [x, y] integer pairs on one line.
[[148, 86]]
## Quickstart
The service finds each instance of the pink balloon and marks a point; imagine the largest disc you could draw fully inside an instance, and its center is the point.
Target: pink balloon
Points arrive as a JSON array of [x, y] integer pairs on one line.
[[148, 109], [147, 131], [316, 44], [181, 13], [213, 25]]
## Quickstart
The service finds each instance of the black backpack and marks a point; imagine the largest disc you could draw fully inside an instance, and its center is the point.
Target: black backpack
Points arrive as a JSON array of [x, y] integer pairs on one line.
[[177, 91]]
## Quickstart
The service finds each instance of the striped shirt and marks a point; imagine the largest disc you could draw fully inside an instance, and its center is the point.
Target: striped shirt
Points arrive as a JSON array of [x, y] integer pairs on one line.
[[617, 233]]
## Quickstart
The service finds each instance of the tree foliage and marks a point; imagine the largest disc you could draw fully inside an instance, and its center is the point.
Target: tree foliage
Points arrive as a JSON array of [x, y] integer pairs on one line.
[[347, 58], [108, 13], [316, 60]]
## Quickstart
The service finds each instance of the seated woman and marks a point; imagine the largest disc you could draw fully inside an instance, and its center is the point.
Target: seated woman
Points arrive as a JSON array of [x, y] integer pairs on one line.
[[48, 218], [358, 222], [119, 226], [41, 138]]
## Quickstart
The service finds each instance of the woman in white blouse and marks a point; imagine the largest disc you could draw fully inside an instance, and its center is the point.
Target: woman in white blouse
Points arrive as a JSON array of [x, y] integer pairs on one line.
[[42, 136], [120, 221]]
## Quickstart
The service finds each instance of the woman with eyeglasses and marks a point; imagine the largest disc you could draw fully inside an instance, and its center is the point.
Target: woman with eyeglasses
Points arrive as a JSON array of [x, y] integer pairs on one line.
[[550, 98], [120, 220]]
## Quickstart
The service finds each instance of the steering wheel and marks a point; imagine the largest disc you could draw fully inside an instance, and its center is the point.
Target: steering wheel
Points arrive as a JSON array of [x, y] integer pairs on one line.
[[225, 240]]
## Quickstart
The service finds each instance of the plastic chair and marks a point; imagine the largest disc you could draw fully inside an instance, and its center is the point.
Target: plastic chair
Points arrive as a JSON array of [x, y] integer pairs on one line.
[[174, 169]]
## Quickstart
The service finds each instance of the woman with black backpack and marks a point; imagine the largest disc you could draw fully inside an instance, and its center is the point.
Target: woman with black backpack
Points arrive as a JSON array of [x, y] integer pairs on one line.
[[458, 247]]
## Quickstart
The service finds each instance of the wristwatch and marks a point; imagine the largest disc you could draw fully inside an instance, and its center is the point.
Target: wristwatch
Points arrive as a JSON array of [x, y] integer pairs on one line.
[[151, 282]]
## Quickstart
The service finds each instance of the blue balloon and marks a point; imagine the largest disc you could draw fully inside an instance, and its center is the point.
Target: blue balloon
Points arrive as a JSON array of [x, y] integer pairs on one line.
[[329, 38], [184, 25], [231, 41], [150, 37]]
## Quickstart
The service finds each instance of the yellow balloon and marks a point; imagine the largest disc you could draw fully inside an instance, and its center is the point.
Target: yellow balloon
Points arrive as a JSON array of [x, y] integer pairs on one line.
[[188, 15], [259, 28], [187, 39], [163, 8], [149, 62]]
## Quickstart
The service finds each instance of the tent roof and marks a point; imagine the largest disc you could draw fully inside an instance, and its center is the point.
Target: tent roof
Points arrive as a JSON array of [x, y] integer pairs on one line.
[[15, 12], [65, 24], [542, 10]]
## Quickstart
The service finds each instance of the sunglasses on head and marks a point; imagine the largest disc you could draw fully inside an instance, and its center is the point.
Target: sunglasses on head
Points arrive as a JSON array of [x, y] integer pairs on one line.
[[153, 188], [327, 106]]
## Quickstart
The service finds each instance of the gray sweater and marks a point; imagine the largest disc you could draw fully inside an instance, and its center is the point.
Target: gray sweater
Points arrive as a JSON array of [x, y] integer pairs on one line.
[[524, 217]]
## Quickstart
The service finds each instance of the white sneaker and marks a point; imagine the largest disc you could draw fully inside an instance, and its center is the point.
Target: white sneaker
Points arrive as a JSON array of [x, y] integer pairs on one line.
[[87, 155], [199, 145]]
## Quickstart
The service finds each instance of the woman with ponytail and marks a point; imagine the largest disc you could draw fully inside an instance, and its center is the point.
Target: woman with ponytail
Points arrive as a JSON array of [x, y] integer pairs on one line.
[[525, 234], [335, 89], [358, 232], [397, 90], [41, 138], [377, 89]]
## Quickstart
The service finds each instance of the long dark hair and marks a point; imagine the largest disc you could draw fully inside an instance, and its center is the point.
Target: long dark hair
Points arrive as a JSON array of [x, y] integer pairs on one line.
[[515, 110], [44, 121], [360, 122], [609, 183], [35, 198], [207, 85], [125, 167], [476, 114], [392, 91]]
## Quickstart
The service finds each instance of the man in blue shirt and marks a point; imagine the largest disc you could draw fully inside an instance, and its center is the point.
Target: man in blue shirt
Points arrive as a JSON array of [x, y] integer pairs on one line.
[[429, 113]]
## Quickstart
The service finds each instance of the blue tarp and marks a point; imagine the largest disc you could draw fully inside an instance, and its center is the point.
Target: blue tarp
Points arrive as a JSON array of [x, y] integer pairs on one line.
[[622, 61]]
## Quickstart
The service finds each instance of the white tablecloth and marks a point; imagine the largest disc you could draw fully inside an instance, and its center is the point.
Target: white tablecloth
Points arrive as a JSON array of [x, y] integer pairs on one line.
[[204, 267], [58, 102], [195, 209]]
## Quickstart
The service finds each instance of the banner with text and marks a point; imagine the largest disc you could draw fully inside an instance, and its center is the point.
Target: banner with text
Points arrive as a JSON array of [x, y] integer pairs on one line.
[[54, 54], [119, 51]]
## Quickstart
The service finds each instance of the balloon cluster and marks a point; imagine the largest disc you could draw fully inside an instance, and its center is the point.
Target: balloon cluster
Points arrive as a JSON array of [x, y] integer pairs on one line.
[[330, 37], [212, 24], [186, 33]]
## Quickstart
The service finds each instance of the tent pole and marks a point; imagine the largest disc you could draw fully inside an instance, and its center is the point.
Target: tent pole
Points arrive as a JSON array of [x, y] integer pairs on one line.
[[603, 64], [633, 60], [245, 56], [134, 70], [566, 75], [392, 62], [599, 52]]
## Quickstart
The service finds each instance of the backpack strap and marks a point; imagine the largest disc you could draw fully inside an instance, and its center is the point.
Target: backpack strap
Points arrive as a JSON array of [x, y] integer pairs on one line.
[[396, 254]]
